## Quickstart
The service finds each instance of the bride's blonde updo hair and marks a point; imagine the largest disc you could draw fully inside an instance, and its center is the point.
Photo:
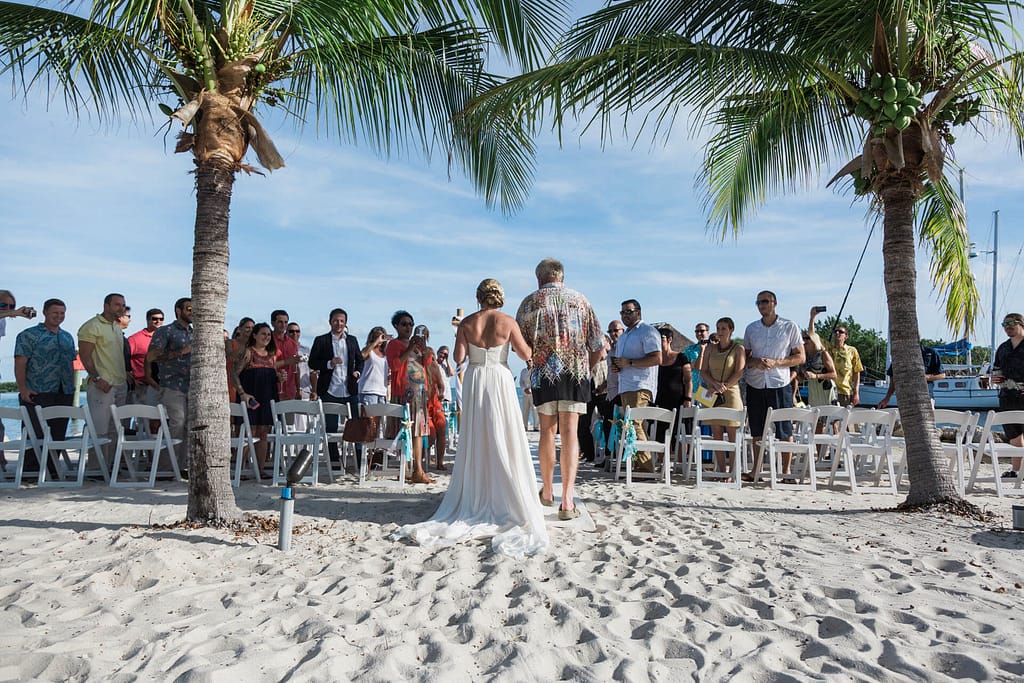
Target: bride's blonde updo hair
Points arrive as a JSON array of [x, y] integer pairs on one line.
[[490, 293]]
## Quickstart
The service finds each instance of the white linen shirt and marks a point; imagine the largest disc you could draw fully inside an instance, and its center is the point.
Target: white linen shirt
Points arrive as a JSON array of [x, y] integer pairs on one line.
[[635, 343], [339, 373], [773, 341]]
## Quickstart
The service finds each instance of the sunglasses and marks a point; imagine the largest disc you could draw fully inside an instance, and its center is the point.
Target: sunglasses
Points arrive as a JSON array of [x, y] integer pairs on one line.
[[405, 324], [629, 312], [5, 306], [762, 302], [1011, 323], [155, 318], [294, 331]]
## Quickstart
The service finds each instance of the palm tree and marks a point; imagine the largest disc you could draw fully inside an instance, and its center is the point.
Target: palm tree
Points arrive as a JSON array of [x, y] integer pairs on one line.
[[788, 88], [389, 72]]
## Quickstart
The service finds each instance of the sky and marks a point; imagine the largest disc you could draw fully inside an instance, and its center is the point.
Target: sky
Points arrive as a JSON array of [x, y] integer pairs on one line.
[[90, 209]]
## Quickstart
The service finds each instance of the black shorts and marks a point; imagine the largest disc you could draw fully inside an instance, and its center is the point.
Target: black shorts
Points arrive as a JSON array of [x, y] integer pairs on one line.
[[1011, 401], [758, 403]]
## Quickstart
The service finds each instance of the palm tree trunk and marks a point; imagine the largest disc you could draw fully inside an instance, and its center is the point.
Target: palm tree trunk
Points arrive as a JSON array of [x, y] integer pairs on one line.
[[929, 478], [211, 497]]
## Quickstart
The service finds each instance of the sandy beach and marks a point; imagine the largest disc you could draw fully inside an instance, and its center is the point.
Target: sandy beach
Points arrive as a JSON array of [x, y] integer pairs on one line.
[[651, 583]]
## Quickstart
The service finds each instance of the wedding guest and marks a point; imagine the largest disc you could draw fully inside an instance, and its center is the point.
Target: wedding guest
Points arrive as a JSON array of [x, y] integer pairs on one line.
[[147, 391], [436, 418], [338, 362], [233, 349], [773, 346], [101, 347], [373, 382], [1008, 375], [615, 330], [846, 360], [288, 353], [701, 332], [44, 357], [721, 364], [818, 371], [675, 388], [256, 383], [9, 309], [171, 350], [636, 361]]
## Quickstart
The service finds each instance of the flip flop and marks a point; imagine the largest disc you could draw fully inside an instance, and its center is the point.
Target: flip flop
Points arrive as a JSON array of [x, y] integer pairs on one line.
[[566, 515], [546, 503]]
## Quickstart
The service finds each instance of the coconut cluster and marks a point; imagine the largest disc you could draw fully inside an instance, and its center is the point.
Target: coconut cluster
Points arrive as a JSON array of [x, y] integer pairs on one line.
[[889, 101]]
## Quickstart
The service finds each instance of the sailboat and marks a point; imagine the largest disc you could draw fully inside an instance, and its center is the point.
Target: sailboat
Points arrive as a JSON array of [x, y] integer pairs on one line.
[[965, 387]]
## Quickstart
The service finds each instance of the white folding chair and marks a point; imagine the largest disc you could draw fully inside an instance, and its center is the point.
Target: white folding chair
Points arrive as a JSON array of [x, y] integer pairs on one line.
[[828, 442], [289, 443], [383, 411], [650, 417], [142, 446], [995, 450], [10, 471], [802, 449], [683, 439], [243, 446], [702, 442], [59, 449], [958, 451], [867, 446], [345, 449]]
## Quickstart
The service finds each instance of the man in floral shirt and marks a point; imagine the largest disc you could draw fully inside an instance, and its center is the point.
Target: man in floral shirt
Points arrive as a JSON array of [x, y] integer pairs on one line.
[[171, 349], [560, 326]]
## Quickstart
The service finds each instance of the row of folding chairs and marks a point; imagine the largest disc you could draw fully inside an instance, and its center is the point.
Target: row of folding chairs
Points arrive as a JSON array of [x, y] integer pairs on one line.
[[299, 429], [829, 442]]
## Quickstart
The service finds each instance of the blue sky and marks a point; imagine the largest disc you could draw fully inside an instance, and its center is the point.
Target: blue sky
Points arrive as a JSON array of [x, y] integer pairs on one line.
[[91, 209]]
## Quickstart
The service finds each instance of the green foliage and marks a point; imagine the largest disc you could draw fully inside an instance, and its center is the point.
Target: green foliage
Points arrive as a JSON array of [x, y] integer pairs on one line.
[[8, 387]]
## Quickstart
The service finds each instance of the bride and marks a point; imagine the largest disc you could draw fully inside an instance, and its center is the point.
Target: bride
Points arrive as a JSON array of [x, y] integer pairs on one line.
[[493, 490]]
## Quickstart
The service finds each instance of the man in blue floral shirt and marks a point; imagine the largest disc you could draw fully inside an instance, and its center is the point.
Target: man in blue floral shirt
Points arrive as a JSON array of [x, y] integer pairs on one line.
[[171, 350], [44, 357]]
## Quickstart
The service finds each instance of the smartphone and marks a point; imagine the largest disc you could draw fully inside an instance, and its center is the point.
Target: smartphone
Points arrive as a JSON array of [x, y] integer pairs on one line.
[[820, 309], [253, 403]]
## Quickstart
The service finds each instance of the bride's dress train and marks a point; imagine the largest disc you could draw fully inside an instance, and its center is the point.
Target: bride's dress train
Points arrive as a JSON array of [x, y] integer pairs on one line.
[[493, 490]]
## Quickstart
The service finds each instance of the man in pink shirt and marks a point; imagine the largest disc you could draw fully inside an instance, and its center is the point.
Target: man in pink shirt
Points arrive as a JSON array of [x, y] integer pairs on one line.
[[147, 392], [287, 348]]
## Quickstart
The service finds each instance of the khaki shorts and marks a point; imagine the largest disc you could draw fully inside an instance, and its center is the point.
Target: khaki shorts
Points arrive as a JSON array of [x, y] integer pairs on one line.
[[555, 407]]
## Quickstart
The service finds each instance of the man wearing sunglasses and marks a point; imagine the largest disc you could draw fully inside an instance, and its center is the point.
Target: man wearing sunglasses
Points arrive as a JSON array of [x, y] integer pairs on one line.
[[101, 349], [774, 345], [171, 350], [147, 391], [636, 360], [1008, 375]]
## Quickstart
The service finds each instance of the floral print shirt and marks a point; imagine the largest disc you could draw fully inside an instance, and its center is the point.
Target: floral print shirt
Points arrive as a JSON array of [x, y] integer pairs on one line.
[[560, 326]]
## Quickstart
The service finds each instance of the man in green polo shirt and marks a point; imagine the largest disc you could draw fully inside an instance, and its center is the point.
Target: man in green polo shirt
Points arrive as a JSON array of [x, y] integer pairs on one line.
[[101, 349]]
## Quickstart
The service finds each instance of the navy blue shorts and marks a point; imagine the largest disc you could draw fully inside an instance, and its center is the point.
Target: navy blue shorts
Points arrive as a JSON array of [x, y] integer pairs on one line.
[[758, 403]]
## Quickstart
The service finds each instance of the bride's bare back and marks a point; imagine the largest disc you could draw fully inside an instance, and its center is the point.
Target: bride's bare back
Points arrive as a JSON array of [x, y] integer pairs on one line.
[[488, 328]]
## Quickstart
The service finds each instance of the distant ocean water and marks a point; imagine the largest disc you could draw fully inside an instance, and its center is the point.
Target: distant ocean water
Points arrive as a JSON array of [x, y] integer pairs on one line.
[[10, 400]]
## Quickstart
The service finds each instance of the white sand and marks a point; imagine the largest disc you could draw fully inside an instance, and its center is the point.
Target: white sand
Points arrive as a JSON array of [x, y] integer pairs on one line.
[[651, 584]]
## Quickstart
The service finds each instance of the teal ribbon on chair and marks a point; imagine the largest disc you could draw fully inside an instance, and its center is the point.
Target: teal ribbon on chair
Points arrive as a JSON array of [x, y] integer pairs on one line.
[[629, 450], [613, 431], [598, 432], [403, 442]]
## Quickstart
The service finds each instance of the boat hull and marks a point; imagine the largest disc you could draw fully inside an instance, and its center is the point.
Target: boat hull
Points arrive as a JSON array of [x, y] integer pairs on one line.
[[955, 393]]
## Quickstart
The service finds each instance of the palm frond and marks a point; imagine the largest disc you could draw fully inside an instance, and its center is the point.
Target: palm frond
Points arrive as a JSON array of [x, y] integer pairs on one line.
[[95, 67], [769, 143], [942, 225]]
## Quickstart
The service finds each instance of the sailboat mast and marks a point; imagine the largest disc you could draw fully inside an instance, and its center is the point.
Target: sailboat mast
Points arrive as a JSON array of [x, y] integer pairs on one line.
[[995, 268]]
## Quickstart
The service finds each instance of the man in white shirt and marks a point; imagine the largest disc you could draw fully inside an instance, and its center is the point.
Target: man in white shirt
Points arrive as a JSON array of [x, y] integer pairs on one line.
[[338, 362], [636, 359], [774, 345]]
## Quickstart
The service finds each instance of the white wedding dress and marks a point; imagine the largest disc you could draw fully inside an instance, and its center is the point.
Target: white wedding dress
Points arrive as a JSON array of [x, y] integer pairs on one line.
[[493, 490]]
